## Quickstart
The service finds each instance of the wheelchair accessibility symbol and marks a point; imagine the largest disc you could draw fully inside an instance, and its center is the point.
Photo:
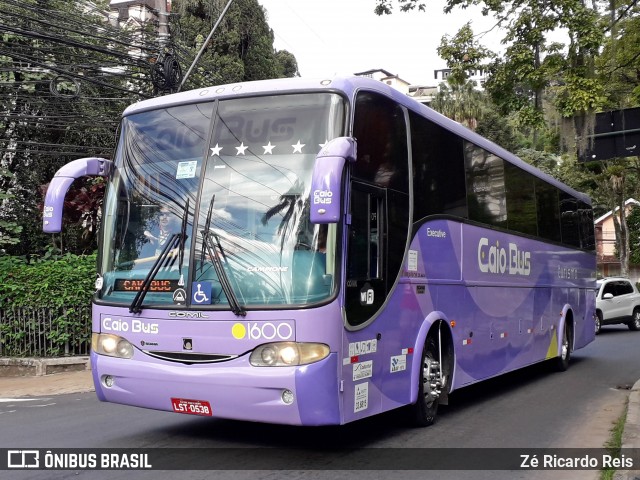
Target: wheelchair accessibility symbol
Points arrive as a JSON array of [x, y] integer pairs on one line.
[[201, 293]]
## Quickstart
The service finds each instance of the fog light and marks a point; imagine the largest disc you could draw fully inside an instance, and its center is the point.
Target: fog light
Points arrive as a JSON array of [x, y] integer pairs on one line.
[[109, 381], [287, 397]]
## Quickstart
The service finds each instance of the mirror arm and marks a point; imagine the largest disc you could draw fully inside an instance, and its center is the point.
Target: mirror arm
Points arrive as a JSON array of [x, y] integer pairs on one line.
[[59, 186]]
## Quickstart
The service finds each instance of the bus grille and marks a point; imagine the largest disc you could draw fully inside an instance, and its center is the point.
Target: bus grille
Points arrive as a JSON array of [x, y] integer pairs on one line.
[[190, 358]]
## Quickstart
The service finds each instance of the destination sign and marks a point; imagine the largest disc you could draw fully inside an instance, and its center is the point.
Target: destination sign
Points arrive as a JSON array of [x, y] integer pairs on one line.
[[128, 285]]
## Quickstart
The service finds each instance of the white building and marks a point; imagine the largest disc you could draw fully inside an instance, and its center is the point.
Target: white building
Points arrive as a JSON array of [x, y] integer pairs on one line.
[[479, 76], [387, 77], [134, 14]]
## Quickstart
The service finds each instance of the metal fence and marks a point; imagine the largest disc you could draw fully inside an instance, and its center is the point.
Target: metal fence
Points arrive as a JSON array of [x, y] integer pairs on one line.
[[45, 332]]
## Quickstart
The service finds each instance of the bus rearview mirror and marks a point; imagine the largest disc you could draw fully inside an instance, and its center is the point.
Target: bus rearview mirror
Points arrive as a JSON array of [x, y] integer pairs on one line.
[[326, 180]]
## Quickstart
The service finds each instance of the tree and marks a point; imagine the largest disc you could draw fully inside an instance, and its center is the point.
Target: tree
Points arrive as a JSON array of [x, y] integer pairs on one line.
[[461, 100], [9, 230], [66, 75], [619, 62], [633, 221], [240, 50], [532, 63], [462, 103], [61, 98]]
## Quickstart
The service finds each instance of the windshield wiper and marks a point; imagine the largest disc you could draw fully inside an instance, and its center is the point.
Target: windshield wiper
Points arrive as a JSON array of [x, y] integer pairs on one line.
[[136, 305], [175, 240], [213, 252], [183, 239]]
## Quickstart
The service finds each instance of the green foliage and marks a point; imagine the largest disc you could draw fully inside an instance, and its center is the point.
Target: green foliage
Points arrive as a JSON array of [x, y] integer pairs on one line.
[[535, 72], [463, 54], [633, 222], [619, 63], [579, 94], [9, 230], [462, 103], [56, 104], [62, 281], [241, 49], [62, 285], [66, 75]]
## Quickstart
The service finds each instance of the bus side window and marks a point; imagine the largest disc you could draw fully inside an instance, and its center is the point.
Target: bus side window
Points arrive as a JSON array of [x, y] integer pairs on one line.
[[359, 238], [366, 236], [380, 128]]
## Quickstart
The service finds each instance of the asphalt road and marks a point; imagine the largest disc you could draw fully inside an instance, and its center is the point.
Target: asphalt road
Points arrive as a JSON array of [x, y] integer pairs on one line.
[[534, 408]]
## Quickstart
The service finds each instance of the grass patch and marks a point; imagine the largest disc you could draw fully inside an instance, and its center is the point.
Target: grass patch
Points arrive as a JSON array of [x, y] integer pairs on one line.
[[614, 444]]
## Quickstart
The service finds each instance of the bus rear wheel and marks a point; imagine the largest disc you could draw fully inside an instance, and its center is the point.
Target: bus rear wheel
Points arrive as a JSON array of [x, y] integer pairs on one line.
[[562, 361], [431, 383]]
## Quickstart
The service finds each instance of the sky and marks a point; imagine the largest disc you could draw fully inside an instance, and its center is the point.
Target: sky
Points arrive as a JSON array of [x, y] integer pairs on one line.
[[342, 37]]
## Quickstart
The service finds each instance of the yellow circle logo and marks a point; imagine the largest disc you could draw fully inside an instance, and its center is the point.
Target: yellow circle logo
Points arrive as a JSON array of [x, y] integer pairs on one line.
[[238, 331]]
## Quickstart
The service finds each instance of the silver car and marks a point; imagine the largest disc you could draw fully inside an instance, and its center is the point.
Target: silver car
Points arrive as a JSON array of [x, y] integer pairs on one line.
[[617, 301]]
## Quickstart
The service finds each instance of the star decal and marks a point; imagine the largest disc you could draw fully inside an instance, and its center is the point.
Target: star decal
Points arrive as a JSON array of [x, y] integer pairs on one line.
[[216, 150], [241, 149], [298, 147], [322, 145], [268, 149]]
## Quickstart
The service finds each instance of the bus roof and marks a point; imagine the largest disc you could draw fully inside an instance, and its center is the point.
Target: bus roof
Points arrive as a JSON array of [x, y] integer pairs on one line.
[[348, 86]]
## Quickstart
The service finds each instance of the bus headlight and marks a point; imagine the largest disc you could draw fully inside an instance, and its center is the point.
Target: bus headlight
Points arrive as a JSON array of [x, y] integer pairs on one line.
[[288, 354], [111, 345]]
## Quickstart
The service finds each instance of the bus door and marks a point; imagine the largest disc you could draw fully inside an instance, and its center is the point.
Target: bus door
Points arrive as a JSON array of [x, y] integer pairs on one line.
[[364, 295]]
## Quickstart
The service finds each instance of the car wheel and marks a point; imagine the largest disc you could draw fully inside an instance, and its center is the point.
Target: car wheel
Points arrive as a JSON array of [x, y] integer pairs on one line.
[[634, 324], [598, 322]]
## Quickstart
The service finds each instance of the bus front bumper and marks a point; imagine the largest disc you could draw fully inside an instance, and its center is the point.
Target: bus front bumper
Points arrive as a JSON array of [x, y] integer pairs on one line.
[[233, 389]]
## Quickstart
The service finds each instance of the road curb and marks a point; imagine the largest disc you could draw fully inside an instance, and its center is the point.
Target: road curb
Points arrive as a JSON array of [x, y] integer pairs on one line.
[[24, 367], [631, 433]]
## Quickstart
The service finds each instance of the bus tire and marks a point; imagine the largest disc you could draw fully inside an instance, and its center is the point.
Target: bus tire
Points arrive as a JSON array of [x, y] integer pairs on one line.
[[564, 355], [426, 406]]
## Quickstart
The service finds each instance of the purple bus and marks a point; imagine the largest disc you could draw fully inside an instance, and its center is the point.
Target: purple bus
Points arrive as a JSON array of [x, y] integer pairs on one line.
[[315, 252]]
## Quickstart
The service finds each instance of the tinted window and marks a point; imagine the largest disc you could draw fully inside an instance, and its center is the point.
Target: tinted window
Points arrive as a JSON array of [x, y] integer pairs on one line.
[[521, 204], [380, 129], [587, 233], [485, 186], [569, 220], [548, 211], [624, 288], [438, 170]]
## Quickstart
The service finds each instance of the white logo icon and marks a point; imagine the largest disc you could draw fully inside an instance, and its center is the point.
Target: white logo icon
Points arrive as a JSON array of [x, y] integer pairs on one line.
[[23, 459]]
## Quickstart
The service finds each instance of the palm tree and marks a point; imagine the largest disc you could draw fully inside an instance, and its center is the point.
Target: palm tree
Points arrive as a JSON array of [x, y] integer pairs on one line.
[[463, 103]]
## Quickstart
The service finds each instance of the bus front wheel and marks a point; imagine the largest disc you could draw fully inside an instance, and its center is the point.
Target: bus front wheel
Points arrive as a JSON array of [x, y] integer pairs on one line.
[[431, 383]]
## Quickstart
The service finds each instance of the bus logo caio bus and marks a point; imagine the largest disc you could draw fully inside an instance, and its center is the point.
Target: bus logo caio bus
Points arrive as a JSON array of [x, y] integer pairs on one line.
[[136, 326], [495, 259], [322, 197]]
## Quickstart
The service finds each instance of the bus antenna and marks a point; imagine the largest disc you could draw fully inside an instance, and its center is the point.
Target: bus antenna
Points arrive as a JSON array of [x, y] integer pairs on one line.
[[204, 45]]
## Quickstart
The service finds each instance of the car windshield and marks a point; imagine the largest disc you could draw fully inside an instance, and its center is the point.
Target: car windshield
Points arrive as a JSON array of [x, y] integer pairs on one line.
[[244, 168]]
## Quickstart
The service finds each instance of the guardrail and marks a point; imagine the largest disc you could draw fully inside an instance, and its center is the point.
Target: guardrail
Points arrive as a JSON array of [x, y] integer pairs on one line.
[[45, 332]]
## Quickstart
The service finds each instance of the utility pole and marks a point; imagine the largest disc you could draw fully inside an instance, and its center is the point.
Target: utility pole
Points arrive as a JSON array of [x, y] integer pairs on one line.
[[204, 45], [163, 7]]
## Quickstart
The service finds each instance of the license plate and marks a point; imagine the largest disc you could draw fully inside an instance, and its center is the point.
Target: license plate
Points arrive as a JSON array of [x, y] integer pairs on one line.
[[191, 407]]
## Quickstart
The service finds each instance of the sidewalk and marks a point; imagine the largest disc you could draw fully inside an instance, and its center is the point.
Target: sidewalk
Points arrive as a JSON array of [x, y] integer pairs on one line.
[[46, 385], [35, 377]]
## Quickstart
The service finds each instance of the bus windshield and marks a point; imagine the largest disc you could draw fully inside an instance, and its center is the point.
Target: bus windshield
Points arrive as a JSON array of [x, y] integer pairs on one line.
[[233, 176]]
